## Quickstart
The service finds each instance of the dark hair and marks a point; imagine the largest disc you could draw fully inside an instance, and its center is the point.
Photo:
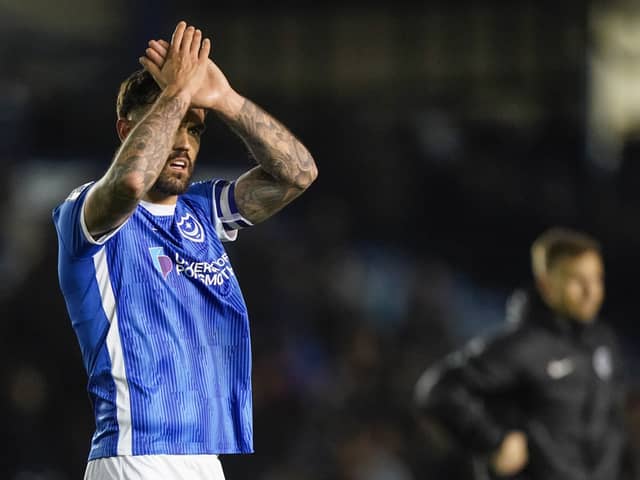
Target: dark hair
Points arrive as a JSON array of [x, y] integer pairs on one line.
[[558, 243], [138, 90]]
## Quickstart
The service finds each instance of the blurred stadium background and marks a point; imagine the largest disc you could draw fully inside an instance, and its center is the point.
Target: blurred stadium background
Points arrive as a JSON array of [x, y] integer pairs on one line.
[[448, 135]]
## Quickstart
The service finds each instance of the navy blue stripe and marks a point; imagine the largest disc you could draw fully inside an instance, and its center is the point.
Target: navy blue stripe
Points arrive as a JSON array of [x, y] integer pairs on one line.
[[217, 193], [243, 223], [232, 199]]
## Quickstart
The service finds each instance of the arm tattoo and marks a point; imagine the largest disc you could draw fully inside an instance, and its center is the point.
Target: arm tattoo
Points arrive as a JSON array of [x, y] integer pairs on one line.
[[259, 196], [136, 166], [144, 152], [286, 168]]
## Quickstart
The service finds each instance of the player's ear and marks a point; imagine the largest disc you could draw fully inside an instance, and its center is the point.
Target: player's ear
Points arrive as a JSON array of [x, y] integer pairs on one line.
[[123, 127], [543, 284]]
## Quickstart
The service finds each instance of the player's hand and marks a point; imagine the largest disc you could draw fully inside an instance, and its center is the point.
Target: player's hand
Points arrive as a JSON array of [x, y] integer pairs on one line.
[[213, 90], [185, 62], [512, 456]]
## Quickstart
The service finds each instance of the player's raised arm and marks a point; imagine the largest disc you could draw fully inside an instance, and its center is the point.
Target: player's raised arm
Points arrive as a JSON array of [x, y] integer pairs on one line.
[[285, 167], [147, 141]]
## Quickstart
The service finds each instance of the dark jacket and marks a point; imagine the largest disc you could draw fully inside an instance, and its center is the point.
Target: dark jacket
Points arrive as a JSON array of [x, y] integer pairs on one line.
[[558, 381]]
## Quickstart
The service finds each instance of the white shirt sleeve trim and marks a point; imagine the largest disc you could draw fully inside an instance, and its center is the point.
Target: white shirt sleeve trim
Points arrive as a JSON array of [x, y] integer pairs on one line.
[[104, 238], [223, 235]]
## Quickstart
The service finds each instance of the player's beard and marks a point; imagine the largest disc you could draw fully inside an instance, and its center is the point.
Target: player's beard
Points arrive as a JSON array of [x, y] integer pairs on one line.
[[173, 183]]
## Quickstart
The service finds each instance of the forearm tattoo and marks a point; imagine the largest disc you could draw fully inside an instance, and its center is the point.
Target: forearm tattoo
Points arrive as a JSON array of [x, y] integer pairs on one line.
[[286, 168], [137, 165], [144, 152], [277, 151]]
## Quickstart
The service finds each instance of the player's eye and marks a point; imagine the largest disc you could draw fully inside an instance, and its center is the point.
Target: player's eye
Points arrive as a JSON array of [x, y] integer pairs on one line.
[[196, 131]]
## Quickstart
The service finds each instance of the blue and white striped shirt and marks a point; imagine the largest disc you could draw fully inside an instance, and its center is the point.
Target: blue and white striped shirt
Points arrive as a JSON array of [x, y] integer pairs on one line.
[[162, 325]]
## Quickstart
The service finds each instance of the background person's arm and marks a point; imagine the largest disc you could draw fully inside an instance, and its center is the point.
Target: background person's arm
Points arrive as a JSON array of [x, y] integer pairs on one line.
[[455, 392]]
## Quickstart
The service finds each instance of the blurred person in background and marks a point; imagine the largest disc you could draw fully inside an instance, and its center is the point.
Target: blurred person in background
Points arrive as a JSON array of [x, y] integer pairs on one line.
[[157, 310], [544, 399]]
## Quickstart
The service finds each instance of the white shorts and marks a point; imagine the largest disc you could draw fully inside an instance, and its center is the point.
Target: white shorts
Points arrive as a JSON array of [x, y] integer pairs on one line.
[[155, 467]]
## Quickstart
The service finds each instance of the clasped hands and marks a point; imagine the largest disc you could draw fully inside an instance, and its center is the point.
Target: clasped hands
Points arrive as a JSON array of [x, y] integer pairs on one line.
[[183, 65]]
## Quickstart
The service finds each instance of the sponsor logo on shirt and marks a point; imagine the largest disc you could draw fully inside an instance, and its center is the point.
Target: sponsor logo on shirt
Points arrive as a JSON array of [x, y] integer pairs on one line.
[[190, 228], [215, 272], [162, 263], [557, 369]]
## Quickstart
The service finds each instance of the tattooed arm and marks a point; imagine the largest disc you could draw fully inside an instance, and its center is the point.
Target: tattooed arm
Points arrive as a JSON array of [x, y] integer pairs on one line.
[[285, 167], [136, 166], [149, 140]]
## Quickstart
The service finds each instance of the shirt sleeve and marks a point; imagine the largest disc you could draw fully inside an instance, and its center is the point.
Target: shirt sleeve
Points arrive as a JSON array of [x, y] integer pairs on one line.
[[68, 218], [218, 197]]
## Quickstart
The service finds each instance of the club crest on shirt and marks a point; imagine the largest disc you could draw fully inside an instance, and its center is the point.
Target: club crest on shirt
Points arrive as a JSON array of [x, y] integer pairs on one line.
[[603, 363], [190, 228]]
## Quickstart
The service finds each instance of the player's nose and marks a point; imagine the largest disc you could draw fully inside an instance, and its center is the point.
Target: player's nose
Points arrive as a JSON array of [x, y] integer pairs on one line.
[[181, 140]]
